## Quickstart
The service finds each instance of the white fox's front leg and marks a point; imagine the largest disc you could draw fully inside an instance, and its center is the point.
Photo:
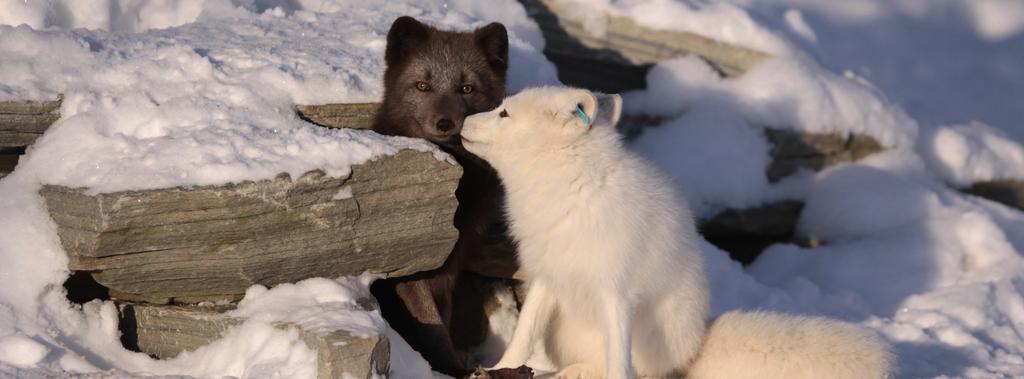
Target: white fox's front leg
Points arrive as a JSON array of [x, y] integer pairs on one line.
[[533, 321], [618, 325]]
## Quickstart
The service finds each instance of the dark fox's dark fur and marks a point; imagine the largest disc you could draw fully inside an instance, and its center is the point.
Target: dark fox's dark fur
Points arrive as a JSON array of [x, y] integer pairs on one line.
[[433, 80]]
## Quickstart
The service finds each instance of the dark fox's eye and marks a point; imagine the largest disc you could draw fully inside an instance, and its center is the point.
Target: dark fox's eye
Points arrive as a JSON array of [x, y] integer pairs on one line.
[[423, 86], [467, 89], [503, 113]]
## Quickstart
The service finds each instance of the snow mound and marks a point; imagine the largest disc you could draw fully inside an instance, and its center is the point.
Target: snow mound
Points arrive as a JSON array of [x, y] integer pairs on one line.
[[19, 350], [970, 153], [935, 272], [715, 123], [720, 20]]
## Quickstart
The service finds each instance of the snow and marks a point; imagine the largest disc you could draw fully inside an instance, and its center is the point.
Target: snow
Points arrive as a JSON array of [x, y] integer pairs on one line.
[[175, 107], [969, 153], [945, 62], [714, 123], [937, 273], [795, 21], [720, 20], [253, 349], [785, 93], [714, 140], [118, 16], [318, 305], [21, 351], [183, 93]]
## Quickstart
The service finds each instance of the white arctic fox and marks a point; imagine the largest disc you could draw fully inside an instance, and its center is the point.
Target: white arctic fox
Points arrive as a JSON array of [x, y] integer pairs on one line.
[[616, 276]]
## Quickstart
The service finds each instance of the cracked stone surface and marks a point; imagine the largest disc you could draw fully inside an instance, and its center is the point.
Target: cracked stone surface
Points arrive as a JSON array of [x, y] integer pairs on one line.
[[21, 122], [210, 243]]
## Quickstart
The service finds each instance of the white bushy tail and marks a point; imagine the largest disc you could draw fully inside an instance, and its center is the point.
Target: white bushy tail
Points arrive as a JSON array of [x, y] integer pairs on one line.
[[765, 345]]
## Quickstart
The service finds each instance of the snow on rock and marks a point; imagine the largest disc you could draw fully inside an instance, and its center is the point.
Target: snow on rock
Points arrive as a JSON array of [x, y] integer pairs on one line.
[[942, 60], [720, 127], [834, 211], [322, 306], [176, 107], [971, 153], [719, 20], [319, 305], [184, 93], [710, 140], [253, 349], [787, 93], [937, 273], [945, 62], [116, 15]]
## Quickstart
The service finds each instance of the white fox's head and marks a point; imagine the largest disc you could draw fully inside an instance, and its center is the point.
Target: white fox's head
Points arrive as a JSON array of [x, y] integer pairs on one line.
[[539, 120]]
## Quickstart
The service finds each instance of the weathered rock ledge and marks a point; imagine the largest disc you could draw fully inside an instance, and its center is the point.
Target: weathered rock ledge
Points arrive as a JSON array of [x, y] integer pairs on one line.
[[21, 122], [391, 216]]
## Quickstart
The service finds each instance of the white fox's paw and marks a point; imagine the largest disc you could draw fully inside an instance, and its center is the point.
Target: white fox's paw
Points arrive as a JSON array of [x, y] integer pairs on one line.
[[581, 371]]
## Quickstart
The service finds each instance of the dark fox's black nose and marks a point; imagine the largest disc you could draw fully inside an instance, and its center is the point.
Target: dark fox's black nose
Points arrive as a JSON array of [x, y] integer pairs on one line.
[[444, 125]]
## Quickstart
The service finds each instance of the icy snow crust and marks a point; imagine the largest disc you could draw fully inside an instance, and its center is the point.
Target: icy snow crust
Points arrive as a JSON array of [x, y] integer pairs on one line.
[[937, 273]]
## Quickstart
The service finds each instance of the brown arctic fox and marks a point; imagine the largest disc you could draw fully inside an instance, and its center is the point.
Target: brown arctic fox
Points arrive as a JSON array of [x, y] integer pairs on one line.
[[433, 80]]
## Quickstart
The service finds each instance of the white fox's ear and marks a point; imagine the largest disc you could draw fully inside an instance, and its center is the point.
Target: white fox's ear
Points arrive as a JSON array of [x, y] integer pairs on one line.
[[583, 108], [597, 109], [609, 109]]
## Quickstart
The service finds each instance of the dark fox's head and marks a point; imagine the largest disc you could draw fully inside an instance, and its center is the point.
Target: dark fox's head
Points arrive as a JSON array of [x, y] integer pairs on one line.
[[435, 78]]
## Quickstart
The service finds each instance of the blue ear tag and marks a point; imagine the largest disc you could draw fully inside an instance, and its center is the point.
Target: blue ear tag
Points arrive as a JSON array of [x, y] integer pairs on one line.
[[582, 114]]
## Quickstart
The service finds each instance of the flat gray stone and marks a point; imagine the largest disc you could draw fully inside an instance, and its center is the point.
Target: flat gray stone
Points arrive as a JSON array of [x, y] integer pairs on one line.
[[30, 106], [210, 243], [792, 151], [21, 122], [166, 331], [352, 116]]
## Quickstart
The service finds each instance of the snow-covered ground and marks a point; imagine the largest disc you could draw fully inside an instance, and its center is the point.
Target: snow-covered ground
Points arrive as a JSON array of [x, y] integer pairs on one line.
[[178, 92], [207, 100], [938, 273]]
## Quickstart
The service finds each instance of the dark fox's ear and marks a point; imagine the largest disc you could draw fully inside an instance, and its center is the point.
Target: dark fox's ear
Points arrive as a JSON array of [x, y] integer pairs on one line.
[[405, 32], [493, 41]]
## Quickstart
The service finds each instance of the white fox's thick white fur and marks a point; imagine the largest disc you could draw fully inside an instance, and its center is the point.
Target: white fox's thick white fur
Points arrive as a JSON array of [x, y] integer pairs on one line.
[[615, 272]]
